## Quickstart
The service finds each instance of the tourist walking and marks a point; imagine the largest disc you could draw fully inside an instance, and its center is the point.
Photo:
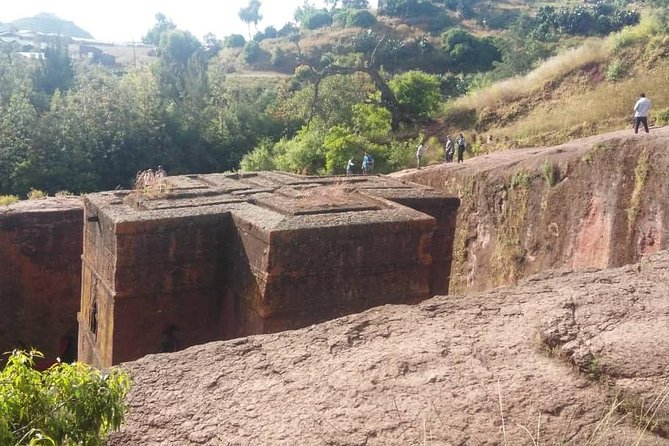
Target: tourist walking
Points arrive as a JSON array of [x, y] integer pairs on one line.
[[460, 142], [641, 110]]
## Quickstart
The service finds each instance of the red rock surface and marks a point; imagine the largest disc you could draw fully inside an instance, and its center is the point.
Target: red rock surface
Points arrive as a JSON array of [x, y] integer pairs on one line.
[[40, 274], [220, 256], [594, 202], [564, 358]]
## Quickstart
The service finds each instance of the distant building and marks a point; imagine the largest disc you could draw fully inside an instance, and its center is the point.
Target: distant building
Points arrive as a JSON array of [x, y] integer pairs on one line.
[[96, 55]]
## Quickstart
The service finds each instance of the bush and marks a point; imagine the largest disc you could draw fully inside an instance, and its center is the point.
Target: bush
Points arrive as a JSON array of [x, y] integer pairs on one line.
[[234, 41], [6, 200], [36, 194], [615, 70], [361, 18], [68, 404], [661, 116], [317, 19], [251, 52]]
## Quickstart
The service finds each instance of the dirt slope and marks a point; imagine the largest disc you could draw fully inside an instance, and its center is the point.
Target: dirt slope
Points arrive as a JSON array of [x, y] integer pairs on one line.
[[594, 202], [565, 358]]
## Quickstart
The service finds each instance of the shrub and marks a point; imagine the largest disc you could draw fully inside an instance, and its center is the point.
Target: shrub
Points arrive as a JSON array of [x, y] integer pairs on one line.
[[662, 117], [6, 200], [36, 194], [234, 41], [614, 71], [317, 19], [361, 18], [252, 52], [260, 158], [68, 404]]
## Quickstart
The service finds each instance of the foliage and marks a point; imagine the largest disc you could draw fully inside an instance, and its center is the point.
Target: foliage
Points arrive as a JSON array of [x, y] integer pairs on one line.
[[614, 70], [55, 71], [36, 194], [68, 404], [316, 19], [361, 18], [234, 41], [417, 92], [601, 17], [468, 53], [251, 14], [260, 158], [302, 154], [6, 200], [340, 144], [407, 8], [662, 116], [163, 25], [252, 51]]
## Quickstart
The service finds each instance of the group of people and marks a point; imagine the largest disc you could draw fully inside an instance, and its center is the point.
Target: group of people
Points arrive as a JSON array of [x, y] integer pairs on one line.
[[641, 111], [450, 147], [367, 165]]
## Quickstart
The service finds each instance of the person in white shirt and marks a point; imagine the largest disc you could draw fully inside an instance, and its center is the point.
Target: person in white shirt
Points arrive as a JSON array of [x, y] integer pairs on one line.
[[641, 109], [419, 154]]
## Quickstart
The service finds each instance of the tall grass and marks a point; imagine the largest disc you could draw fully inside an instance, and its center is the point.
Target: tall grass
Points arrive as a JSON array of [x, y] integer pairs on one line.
[[595, 50]]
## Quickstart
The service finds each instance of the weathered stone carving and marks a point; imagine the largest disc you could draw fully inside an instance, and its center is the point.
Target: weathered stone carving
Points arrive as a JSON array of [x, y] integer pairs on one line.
[[211, 257]]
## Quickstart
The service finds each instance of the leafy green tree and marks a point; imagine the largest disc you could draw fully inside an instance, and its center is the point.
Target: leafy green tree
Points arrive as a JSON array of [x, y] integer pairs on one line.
[[417, 92], [55, 70], [181, 65], [68, 404], [163, 25], [234, 41], [251, 14], [468, 53]]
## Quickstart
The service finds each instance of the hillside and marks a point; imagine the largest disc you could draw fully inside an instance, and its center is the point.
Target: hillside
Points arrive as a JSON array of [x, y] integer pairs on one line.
[[49, 24], [565, 358]]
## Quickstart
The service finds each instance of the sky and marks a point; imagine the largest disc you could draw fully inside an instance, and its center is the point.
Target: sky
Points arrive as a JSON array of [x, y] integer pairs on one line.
[[128, 20]]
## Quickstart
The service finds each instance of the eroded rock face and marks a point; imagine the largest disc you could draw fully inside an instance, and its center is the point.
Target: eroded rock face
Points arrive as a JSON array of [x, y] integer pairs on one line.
[[40, 275], [595, 202], [564, 358], [220, 256]]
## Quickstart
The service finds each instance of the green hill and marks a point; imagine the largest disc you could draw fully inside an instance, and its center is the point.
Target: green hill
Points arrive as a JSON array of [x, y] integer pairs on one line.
[[48, 24]]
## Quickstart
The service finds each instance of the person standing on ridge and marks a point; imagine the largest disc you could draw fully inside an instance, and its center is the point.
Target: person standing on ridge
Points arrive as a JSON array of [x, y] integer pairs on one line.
[[349, 166], [449, 149], [641, 109], [420, 150], [460, 142], [367, 163]]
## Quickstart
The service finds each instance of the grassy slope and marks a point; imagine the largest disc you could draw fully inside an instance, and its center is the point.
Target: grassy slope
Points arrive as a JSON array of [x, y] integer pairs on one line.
[[572, 95]]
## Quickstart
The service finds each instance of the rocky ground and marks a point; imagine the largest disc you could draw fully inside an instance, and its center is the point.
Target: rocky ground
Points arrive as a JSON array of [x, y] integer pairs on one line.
[[564, 358]]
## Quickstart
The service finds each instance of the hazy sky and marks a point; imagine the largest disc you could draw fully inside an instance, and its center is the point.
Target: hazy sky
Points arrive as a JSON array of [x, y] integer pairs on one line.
[[126, 20]]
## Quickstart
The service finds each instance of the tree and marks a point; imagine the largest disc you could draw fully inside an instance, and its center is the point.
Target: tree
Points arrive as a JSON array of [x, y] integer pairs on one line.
[[355, 4], [66, 404], [55, 70], [468, 53], [163, 24], [181, 60], [251, 14], [417, 92]]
